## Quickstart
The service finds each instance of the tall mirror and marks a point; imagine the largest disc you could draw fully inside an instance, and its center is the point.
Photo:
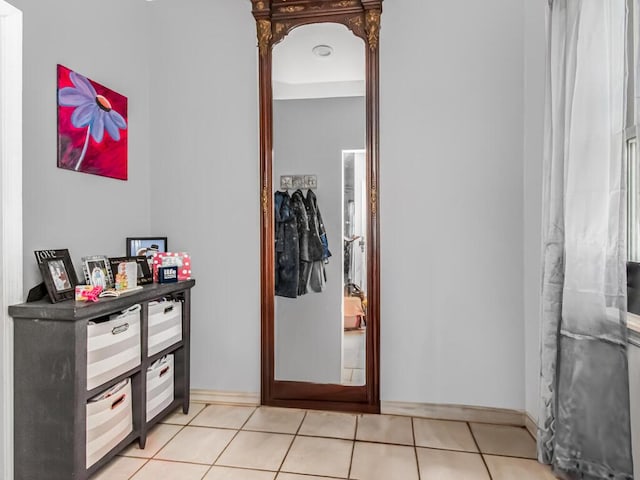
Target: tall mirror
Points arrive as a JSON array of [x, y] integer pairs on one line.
[[319, 159]]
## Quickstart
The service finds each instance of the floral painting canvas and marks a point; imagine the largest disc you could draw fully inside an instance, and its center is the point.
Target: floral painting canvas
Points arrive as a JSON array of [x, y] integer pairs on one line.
[[92, 126]]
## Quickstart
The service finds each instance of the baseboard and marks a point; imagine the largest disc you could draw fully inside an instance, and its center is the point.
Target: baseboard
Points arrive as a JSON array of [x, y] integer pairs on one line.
[[531, 425], [235, 398], [464, 413]]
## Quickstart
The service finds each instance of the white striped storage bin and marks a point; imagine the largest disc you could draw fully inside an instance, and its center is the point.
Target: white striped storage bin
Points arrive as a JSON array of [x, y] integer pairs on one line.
[[113, 347], [165, 325], [109, 421], [159, 386]]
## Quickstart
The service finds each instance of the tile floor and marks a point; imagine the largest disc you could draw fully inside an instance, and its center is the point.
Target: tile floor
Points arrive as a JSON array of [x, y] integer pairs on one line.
[[224, 442], [353, 357]]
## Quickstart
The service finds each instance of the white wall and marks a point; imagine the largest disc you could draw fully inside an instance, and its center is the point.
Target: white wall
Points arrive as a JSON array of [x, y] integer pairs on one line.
[[534, 95], [205, 177], [451, 202], [88, 214], [309, 137]]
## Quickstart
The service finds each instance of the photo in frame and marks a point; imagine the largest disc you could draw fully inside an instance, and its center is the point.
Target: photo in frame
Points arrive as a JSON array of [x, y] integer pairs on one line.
[[97, 271], [144, 271], [145, 246], [181, 260], [58, 274]]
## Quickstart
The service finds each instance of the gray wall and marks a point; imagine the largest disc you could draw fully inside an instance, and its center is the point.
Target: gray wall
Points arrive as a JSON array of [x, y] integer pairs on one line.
[[309, 136], [452, 179], [534, 84], [205, 177], [451, 202], [87, 214]]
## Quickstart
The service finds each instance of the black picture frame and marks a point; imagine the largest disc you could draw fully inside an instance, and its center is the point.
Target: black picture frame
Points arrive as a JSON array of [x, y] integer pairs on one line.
[[59, 277], [102, 263], [137, 246], [145, 276]]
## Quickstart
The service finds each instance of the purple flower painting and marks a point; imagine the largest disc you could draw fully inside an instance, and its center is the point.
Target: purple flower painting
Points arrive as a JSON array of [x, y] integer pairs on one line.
[[92, 126]]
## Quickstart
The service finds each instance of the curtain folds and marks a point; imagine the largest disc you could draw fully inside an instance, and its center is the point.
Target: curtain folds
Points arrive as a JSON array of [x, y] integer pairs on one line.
[[584, 430]]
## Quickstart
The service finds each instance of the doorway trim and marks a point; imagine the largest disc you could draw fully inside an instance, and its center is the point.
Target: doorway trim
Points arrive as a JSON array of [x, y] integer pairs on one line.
[[11, 288]]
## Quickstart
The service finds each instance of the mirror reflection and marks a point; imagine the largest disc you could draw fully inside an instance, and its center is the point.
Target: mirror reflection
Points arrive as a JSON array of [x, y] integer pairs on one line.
[[319, 183]]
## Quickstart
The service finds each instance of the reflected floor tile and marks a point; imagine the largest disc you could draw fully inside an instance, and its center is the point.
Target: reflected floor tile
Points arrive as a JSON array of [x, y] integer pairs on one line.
[[227, 473], [223, 416], [509, 468], [257, 450], [329, 424], [196, 445], [504, 440], [375, 461], [319, 456], [275, 420], [179, 418], [157, 438], [448, 465], [120, 468], [159, 470], [443, 434], [385, 428]]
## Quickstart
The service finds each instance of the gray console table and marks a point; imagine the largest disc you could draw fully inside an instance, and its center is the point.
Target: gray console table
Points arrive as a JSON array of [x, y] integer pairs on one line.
[[50, 380]]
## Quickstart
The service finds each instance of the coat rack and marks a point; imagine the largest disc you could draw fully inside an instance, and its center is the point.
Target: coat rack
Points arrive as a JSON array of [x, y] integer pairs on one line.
[[294, 182]]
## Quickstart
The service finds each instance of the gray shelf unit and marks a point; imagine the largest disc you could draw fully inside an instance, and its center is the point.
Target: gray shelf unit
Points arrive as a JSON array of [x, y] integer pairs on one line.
[[50, 380]]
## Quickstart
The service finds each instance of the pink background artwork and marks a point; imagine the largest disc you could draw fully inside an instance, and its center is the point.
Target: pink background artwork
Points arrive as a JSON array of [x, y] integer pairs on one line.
[[107, 157]]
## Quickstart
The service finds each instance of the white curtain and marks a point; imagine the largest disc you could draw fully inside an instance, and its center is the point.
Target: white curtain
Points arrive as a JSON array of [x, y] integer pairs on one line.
[[584, 430]]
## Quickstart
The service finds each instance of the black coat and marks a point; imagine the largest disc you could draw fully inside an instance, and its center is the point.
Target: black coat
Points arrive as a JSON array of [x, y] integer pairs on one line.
[[287, 256]]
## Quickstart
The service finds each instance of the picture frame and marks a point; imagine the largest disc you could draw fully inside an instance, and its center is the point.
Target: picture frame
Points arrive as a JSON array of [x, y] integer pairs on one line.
[[97, 271], [59, 277], [145, 246], [145, 276]]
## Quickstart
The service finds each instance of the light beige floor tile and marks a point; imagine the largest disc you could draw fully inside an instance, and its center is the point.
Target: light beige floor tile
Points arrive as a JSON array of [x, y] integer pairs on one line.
[[275, 420], [385, 428], [262, 451], [319, 456], [509, 468], [196, 445], [159, 470], [346, 375], [227, 473], [504, 440], [295, 476], [223, 416], [157, 438], [120, 468], [443, 434], [179, 418], [329, 424], [448, 465], [375, 461]]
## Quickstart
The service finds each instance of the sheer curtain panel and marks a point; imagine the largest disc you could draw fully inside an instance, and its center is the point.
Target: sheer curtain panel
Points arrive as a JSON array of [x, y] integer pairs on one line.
[[584, 430]]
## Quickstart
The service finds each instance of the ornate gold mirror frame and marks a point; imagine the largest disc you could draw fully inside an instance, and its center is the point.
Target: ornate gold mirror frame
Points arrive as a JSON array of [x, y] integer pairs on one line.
[[274, 20]]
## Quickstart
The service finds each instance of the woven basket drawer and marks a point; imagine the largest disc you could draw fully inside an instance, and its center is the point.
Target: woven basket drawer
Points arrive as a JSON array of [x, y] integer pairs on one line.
[[109, 421], [113, 347], [159, 386], [165, 325]]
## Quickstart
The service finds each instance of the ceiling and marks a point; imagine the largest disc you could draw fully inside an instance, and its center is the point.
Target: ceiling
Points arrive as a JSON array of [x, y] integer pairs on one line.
[[299, 73]]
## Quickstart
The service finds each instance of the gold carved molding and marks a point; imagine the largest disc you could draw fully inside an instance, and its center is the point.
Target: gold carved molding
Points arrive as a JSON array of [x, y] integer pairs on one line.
[[265, 200], [372, 27], [264, 35], [291, 9], [374, 200]]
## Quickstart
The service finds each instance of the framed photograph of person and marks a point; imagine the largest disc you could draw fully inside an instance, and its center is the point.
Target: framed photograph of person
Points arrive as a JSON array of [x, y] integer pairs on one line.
[[97, 271], [145, 246], [59, 278], [144, 272]]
